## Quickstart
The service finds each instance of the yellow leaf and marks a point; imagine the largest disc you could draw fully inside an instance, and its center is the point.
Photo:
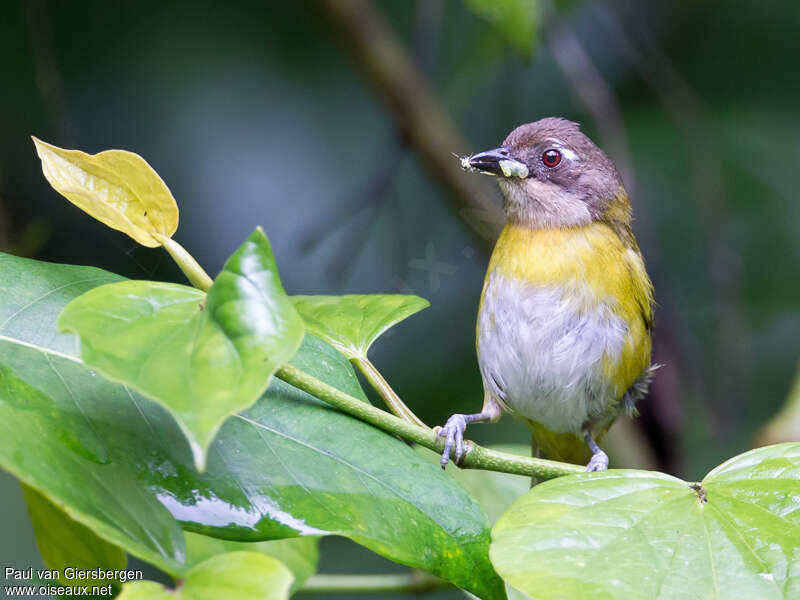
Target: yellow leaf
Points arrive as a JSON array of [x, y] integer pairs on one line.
[[116, 187]]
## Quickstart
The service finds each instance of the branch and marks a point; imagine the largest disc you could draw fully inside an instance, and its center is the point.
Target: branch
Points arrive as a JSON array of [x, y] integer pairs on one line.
[[476, 457]]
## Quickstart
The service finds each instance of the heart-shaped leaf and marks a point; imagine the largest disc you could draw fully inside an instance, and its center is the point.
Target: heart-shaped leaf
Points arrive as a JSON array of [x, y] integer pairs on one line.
[[638, 534], [240, 575], [116, 187], [288, 466], [66, 543], [351, 323], [299, 555], [204, 358]]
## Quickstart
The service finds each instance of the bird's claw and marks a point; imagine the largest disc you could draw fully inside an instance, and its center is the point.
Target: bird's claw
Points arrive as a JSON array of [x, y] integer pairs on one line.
[[453, 434], [598, 462]]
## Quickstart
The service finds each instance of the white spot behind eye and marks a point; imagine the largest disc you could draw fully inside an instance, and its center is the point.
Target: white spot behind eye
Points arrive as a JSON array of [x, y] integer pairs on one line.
[[566, 152], [569, 154]]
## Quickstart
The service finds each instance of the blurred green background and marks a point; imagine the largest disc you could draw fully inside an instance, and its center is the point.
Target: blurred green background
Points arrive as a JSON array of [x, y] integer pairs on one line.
[[258, 114]]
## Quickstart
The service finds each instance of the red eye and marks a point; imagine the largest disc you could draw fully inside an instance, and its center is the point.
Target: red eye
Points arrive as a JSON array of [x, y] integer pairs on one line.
[[551, 158]]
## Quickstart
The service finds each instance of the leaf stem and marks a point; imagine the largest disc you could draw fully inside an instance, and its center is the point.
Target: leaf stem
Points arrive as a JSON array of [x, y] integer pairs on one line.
[[393, 401], [190, 267], [415, 582], [476, 457]]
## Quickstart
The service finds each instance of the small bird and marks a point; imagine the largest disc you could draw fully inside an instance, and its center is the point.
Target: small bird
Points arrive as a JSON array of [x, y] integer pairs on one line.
[[566, 312]]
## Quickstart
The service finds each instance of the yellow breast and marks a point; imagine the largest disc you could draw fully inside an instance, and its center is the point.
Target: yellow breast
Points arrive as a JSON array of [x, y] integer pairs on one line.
[[596, 257]]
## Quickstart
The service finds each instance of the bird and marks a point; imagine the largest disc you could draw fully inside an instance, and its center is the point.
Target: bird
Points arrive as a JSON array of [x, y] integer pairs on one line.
[[563, 334]]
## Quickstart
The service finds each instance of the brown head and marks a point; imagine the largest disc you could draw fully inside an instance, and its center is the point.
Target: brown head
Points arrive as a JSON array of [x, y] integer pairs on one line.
[[552, 175]]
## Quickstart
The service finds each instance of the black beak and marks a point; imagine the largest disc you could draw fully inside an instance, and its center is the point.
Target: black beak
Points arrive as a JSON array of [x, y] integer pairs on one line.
[[495, 162]]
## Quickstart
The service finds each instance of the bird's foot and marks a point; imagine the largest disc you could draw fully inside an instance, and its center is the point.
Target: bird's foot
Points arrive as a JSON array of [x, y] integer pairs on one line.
[[598, 462], [453, 434]]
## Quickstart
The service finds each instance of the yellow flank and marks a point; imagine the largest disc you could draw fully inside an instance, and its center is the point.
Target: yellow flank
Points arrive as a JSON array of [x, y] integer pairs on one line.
[[595, 256]]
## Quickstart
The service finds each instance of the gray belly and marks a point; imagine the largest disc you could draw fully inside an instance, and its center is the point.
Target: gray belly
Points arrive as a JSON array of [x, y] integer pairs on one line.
[[541, 351]]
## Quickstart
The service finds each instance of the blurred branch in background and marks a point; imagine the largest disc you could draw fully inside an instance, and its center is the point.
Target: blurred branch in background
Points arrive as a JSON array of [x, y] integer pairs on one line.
[[785, 426], [686, 109], [416, 110]]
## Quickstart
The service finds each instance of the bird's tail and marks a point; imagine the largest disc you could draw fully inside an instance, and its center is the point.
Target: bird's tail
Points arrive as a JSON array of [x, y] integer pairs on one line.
[[566, 447]]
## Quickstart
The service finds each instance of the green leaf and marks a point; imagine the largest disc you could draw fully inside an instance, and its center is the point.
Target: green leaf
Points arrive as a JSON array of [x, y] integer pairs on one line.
[[51, 444], [494, 491], [300, 555], [240, 575], [32, 294], [517, 20], [146, 590], [352, 323], [47, 438], [638, 534], [64, 542], [288, 466], [116, 187], [204, 358]]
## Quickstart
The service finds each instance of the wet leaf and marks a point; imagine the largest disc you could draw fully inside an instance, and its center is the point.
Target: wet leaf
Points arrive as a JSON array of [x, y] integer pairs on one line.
[[47, 440], [203, 357], [290, 465], [64, 542], [299, 555], [638, 534], [239, 575], [352, 323], [116, 187]]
